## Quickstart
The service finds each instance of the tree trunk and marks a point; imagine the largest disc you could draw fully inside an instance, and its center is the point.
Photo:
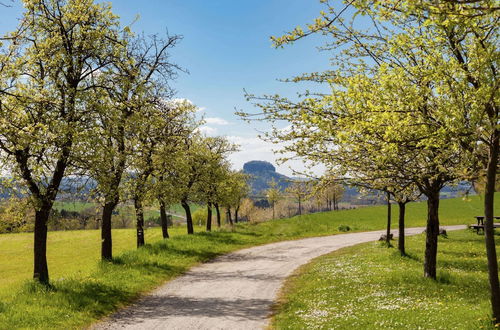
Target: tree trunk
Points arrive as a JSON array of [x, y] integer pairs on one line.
[[236, 210], [389, 216], [432, 232], [41, 271], [189, 219], [217, 211], [40, 268], [228, 216], [300, 207], [489, 236], [139, 215], [273, 211], [163, 218], [106, 241], [401, 238], [209, 216]]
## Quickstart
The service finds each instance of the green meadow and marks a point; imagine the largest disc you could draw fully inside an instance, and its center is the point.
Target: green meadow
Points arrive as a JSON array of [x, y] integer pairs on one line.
[[372, 287], [84, 289]]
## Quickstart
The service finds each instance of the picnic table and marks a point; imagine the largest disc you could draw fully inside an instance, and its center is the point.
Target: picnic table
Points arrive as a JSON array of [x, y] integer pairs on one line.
[[480, 223]]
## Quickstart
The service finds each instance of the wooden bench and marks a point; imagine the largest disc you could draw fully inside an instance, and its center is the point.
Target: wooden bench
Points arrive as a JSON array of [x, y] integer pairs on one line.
[[480, 223]]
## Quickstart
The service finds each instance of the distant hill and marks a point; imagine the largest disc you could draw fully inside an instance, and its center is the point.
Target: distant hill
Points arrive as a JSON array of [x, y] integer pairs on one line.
[[261, 173]]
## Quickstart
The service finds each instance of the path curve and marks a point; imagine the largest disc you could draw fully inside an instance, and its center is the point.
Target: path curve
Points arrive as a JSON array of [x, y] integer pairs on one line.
[[233, 291]]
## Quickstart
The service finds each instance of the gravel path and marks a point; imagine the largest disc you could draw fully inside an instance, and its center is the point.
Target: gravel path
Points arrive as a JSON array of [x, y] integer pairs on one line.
[[234, 291]]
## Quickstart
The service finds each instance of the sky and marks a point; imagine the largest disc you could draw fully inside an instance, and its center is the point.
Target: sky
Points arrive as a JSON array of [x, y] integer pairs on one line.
[[226, 49]]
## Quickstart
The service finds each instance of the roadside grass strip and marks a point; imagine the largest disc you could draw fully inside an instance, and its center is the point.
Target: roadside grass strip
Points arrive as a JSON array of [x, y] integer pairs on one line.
[[369, 286]]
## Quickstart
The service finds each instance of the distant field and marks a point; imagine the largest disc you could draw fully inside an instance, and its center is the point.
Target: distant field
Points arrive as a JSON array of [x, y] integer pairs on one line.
[[75, 206], [74, 259], [150, 211], [452, 211]]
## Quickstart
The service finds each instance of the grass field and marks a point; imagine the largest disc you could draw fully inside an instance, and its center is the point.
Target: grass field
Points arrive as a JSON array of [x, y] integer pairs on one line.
[[85, 290], [69, 253], [371, 287]]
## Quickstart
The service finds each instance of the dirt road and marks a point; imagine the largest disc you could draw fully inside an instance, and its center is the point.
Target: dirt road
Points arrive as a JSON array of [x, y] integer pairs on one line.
[[234, 291]]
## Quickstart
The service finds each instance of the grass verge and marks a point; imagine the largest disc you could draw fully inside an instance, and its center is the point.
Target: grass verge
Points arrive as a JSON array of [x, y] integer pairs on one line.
[[84, 290], [371, 287]]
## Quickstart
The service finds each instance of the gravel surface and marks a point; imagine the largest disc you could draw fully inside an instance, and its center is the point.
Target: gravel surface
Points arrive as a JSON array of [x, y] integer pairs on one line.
[[234, 291]]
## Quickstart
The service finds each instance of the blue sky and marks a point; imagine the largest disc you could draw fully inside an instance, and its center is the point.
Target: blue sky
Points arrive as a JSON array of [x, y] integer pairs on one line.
[[226, 49]]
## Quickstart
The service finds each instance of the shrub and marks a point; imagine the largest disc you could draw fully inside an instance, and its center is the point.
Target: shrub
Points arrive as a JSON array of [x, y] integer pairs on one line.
[[157, 220], [344, 228], [200, 216]]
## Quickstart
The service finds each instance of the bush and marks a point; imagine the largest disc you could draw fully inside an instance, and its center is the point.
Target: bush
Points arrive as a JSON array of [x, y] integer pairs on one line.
[[344, 228], [157, 220], [16, 215], [200, 216]]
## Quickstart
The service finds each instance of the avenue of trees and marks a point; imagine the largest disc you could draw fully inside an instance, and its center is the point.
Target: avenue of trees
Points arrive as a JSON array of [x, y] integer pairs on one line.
[[413, 105], [83, 96]]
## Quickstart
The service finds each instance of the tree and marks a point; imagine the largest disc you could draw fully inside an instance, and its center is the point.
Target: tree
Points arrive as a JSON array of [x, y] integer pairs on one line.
[[402, 197], [241, 190], [470, 38], [331, 189], [273, 194], [167, 166], [158, 130], [233, 189], [51, 59], [463, 52], [388, 93], [140, 69], [299, 190], [215, 174], [199, 157], [358, 133], [211, 189]]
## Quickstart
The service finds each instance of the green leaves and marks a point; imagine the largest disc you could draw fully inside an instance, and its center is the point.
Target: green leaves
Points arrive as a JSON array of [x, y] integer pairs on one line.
[[409, 89]]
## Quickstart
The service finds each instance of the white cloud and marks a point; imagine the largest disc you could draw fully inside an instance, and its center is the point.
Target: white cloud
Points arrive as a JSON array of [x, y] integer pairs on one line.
[[207, 130], [216, 121]]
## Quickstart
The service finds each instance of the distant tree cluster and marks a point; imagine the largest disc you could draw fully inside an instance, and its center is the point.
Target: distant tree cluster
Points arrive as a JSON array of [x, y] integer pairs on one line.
[[301, 197], [82, 95]]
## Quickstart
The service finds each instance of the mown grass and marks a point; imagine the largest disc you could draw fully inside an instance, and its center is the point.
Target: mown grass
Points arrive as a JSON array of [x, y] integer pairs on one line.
[[371, 287], [83, 289]]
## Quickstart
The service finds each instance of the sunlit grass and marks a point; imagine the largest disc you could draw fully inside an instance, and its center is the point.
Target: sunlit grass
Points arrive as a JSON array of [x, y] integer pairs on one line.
[[69, 253], [371, 287]]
